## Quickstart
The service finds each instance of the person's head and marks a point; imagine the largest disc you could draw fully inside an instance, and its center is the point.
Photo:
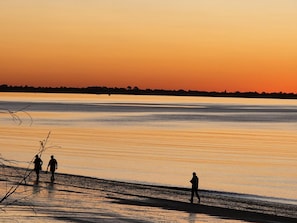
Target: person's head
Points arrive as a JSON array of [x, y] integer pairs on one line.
[[194, 174], [36, 156], [52, 156]]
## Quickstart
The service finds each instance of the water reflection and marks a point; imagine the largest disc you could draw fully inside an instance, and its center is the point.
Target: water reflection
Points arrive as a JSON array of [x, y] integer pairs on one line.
[[192, 217], [133, 138], [36, 187], [51, 190]]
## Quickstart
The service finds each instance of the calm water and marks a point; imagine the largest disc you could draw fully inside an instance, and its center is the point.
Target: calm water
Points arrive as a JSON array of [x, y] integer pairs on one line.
[[236, 145]]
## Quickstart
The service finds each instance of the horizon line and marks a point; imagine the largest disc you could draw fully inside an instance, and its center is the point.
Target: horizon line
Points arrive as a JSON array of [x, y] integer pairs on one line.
[[137, 90]]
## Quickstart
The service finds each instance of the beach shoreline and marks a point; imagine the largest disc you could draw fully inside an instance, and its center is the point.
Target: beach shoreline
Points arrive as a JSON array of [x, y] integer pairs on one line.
[[120, 198]]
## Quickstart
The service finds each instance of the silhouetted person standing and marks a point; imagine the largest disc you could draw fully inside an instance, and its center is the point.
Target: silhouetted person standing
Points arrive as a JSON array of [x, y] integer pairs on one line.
[[195, 182], [37, 166], [53, 164]]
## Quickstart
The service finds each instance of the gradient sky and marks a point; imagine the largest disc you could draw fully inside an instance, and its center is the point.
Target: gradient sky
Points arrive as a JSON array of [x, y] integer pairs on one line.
[[213, 45]]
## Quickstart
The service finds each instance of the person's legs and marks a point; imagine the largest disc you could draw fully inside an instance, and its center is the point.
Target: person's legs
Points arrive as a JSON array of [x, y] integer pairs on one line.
[[53, 175], [196, 191], [37, 173], [192, 195]]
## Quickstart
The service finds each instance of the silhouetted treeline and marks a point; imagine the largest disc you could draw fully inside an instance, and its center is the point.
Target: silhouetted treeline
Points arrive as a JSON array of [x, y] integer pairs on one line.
[[137, 91]]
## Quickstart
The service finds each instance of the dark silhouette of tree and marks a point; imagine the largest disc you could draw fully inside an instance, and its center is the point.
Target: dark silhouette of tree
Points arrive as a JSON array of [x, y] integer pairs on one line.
[[137, 91]]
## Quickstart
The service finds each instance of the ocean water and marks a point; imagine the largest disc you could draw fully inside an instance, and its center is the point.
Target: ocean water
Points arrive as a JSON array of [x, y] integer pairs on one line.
[[236, 145]]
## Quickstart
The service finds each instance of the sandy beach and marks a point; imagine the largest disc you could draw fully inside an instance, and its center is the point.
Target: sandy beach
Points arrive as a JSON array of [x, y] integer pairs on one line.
[[74, 198]]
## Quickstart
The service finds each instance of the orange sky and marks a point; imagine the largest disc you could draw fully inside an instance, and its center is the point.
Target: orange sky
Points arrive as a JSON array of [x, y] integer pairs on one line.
[[213, 45]]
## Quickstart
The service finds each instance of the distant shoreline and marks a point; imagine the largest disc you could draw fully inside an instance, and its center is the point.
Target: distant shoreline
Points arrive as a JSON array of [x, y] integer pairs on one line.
[[137, 91]]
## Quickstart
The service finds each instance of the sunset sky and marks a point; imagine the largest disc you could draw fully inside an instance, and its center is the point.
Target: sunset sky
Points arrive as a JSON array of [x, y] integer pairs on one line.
[[212, 45]]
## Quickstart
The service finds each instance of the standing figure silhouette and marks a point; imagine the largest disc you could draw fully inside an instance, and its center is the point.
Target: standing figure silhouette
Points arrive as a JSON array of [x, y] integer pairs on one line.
[[37, 166], [195, 182], [53, 164]]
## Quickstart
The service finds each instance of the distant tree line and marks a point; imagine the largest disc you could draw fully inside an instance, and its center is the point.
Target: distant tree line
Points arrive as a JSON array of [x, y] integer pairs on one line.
[[136, 91]]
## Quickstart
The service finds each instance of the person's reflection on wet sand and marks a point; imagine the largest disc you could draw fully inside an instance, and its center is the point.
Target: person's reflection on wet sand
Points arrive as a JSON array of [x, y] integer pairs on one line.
[[36, 187], [51, 190], [192, 217]]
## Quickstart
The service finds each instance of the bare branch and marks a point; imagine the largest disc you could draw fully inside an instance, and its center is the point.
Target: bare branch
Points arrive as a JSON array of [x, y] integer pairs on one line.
[[15, 114], [28, 171]]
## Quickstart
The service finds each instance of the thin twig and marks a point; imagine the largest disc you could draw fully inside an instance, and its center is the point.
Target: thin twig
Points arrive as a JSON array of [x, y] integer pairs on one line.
[[28, 171], [14, 114]]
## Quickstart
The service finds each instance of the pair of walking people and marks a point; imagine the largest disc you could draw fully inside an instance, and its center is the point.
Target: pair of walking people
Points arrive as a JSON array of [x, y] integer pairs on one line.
[[52, 164]]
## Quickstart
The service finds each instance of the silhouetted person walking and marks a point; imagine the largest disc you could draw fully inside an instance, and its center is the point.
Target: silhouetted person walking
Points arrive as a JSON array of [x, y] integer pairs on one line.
[[37, 166], [53, 164], [195, 182]]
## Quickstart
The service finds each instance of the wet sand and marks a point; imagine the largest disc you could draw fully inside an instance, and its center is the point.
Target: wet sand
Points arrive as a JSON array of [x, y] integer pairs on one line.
[[82, 199]]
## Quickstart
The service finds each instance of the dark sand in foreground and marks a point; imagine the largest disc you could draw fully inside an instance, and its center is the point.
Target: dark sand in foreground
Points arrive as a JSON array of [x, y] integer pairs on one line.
[[82, 199]]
